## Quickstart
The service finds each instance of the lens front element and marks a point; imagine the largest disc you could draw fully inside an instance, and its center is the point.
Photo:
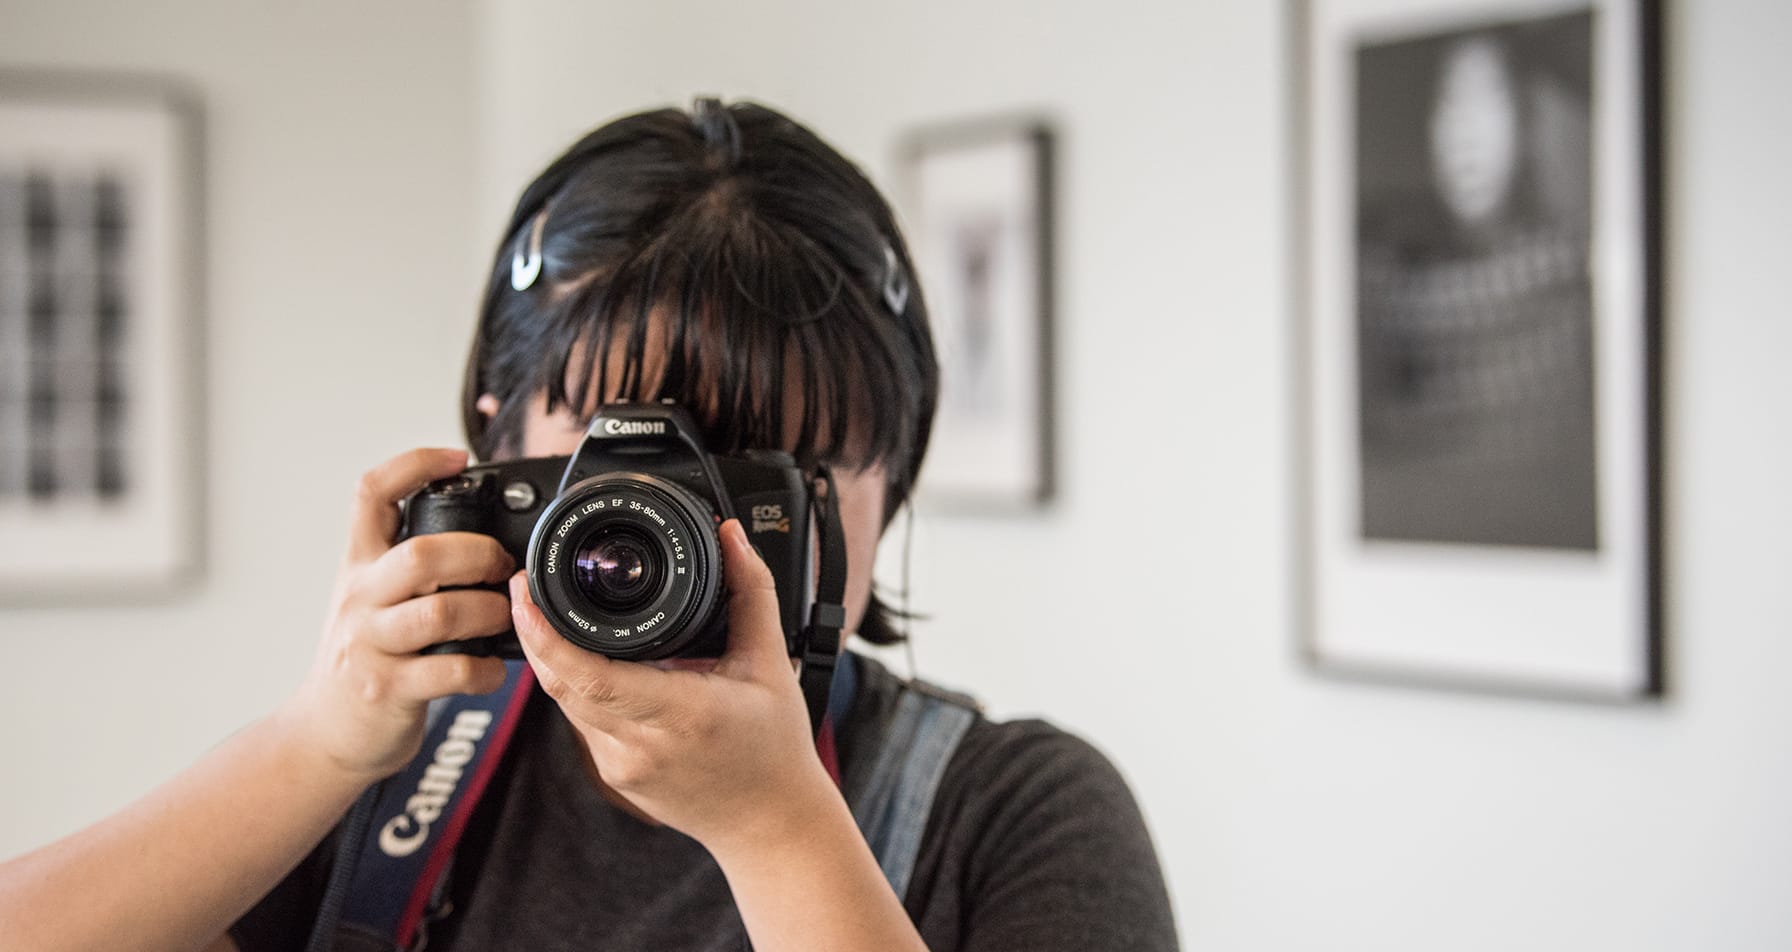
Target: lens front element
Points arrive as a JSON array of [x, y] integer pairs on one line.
[[618, 569]]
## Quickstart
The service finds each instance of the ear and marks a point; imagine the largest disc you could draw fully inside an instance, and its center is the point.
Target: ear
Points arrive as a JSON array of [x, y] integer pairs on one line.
[[487, 405]]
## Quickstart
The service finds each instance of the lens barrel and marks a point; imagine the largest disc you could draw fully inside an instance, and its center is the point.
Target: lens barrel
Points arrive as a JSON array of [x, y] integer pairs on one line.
[[627, 565]]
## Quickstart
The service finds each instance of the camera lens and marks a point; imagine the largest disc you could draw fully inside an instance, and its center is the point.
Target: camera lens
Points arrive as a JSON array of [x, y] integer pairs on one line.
[[626, 564], [618, 569]]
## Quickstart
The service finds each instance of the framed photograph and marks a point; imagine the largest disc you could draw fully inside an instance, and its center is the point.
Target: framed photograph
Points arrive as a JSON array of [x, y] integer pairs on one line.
[[99, 420], [977, 200], [1478, 253]]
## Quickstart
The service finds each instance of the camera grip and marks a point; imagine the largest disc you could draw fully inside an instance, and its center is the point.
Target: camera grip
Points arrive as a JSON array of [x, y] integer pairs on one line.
[[469, 502], [491, 646]]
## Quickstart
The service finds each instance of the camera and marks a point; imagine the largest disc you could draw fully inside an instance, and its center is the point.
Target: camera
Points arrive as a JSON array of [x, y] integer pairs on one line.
[[619, 540]]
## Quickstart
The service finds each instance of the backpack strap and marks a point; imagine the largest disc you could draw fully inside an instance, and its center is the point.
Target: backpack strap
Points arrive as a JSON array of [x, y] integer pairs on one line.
[[395, 849], [893, 808]]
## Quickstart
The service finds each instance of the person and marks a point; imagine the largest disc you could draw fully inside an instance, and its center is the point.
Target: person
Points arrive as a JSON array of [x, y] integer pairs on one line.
[[728, 260]]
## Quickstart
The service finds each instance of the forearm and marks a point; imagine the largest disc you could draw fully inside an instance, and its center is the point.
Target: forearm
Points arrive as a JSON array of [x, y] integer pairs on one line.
[[175, 869], [817, 886]]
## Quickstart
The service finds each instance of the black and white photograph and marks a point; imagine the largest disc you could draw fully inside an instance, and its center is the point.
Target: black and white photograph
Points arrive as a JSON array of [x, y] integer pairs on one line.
[[978, 212], [96, 336], [1480, 331]]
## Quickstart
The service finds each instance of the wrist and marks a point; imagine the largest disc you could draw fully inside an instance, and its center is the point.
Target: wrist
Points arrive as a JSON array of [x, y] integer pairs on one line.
[[811, 813], [816, 884], [294, 740]]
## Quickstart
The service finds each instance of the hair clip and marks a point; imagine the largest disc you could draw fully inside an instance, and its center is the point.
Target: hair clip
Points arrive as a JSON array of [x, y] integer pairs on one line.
[[715, 123], [895, 282], [524, 270]]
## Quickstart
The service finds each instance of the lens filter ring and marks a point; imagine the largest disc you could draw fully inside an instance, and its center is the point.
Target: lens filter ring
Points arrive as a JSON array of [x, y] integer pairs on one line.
[[626, 565]]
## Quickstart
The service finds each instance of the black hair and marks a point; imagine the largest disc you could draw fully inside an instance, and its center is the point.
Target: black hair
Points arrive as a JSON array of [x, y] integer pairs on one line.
[[762, 268]]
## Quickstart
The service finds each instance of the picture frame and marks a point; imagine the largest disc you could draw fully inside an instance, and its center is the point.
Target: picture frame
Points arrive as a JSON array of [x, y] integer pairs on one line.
[[100, 339], [1478, 353], [977, 198]]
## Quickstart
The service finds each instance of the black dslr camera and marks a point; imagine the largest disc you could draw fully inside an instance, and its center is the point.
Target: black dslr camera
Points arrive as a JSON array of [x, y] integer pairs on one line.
[[619, 539]]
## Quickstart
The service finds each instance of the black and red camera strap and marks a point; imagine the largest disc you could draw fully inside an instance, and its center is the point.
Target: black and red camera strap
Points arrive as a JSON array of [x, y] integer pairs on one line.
[[394, 848]]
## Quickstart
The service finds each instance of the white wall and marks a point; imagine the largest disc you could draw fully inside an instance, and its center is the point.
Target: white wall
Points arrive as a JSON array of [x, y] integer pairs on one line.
[[1291, 812], [340, 275]]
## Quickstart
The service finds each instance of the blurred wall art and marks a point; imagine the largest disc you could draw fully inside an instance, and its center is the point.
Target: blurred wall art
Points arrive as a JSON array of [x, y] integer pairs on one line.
[[99, 337], [977, 202], [1481, 340]]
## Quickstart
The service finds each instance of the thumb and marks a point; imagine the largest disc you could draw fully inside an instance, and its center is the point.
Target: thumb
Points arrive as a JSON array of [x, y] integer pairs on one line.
[[755, 628]]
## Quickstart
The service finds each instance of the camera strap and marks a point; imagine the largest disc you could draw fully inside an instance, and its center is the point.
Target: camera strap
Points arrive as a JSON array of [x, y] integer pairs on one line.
[[394, 849], [821, 638]]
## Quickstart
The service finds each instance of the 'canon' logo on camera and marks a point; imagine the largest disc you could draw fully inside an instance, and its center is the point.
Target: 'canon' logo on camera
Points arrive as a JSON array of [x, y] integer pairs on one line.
[[614, 427]]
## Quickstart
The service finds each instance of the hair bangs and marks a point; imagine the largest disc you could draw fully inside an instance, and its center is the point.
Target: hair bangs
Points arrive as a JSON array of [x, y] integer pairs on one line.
[[754, 328]]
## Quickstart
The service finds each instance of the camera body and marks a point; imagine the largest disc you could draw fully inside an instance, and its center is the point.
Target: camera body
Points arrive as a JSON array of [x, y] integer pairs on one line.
[[619, 539]]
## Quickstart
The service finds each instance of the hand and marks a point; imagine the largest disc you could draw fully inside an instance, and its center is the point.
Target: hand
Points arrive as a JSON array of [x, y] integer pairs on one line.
[[724, 756], [362, 706]]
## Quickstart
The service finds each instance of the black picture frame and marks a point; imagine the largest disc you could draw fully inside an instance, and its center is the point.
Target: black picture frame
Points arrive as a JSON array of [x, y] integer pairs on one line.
[[1478, 347], [976, 198]]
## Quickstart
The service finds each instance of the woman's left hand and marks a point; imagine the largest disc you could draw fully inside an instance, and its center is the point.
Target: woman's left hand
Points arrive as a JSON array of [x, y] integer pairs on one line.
[[724, 756]]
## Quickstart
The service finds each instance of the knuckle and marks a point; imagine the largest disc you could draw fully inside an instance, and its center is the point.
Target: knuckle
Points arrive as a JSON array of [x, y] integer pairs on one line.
[[340, 660], [353, 585], [632, 768], [596, 689], [374, 689], [435, 614], [496, 555], [372, 488], [551, 684], [619, 772], [495, 608], [353, 637], [417, 557], [368, 486], [462, 670]]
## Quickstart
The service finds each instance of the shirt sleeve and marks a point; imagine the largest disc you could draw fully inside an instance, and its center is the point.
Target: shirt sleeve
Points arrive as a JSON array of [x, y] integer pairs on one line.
[[1037, 844]]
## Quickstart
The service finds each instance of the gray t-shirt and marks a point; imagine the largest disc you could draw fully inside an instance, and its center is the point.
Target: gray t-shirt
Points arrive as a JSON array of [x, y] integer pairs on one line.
[[1034, 843]]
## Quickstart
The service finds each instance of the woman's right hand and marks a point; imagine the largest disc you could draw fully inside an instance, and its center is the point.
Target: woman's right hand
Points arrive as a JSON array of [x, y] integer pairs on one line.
[[362, 706], [177, 867]]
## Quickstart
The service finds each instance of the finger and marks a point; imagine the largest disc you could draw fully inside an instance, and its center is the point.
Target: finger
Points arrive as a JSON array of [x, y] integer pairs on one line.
[[755, 627], [373, 522], [427, 677], [601, 691], [415, 624], [424, 564]]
